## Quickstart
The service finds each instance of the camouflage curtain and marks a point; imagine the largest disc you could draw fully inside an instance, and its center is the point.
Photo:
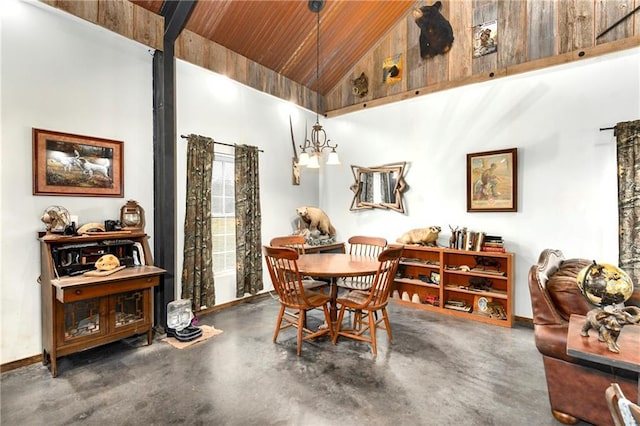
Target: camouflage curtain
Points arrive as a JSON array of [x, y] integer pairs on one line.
[[197, 271], [628, 148], [248, 222]]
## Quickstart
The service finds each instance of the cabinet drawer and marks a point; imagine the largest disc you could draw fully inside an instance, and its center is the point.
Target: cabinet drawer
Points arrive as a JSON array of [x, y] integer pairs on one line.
[[76, 293]]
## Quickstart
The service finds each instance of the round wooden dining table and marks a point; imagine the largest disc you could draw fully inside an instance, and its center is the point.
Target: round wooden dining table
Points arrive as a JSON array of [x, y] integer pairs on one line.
[[334, 266]]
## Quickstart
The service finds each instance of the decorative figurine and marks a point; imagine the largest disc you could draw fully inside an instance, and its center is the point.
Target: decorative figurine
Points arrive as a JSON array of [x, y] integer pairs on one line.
[[315, 226], [56, 219], [316, 218], [421, 236], [361, 85], [485, 262], [436, 34]]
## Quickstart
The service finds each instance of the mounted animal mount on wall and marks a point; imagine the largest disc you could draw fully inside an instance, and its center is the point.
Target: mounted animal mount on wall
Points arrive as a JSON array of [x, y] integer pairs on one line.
[[361, 85], [436, 34], [295, 166]]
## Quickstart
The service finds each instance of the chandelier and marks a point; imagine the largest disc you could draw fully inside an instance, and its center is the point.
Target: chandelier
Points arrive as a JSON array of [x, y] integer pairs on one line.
[[318, 142]]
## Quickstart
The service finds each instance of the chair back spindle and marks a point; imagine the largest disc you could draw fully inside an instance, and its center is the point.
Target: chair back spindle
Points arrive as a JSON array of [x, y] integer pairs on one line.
[[363, 246], [295, 242]]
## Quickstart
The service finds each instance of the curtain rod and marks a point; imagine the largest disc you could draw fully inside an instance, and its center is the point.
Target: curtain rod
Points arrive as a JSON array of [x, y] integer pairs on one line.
[[607, 128], [219, 143]]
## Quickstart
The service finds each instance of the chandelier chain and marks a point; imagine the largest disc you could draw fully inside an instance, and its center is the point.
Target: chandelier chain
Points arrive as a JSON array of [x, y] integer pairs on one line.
[[318, 141]]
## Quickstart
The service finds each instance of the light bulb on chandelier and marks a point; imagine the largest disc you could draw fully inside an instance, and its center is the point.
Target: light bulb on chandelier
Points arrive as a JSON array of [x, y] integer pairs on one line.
[[318, 141]]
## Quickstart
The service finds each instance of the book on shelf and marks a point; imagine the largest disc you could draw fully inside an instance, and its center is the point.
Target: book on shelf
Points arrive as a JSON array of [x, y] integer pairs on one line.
[[457, 307], [479, 240], [493, 249], [472, 241], [469, 240], [493, 244]]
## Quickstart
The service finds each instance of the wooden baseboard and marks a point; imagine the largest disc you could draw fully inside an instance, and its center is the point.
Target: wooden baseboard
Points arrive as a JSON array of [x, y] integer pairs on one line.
[[247, 299], [523, 321], [20, 363]]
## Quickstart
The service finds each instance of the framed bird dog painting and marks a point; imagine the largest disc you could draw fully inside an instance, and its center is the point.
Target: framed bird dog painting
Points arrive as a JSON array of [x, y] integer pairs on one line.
[[75, 165]]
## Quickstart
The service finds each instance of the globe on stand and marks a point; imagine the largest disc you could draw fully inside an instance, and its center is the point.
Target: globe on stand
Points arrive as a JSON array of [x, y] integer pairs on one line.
[[603, 284], [607, 287]]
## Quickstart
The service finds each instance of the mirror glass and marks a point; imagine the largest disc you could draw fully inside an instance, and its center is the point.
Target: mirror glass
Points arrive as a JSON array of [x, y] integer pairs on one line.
[[378, 187]]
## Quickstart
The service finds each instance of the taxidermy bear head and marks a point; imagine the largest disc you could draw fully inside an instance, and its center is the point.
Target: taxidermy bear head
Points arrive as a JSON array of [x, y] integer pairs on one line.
[[436, 34]]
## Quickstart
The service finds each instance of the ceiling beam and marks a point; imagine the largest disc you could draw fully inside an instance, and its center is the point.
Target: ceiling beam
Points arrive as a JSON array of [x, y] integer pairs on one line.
[[176, 14]]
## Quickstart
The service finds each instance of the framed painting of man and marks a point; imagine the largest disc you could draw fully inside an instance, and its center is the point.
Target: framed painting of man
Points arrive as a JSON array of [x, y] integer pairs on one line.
[[492, 181]]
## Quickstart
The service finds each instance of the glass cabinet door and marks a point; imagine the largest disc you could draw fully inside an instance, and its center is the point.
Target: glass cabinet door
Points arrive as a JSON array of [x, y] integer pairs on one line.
[[128, 308], [83, 319]]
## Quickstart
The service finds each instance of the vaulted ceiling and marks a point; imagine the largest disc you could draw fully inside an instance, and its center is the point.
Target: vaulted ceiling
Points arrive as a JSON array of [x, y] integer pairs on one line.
[[281, 34]]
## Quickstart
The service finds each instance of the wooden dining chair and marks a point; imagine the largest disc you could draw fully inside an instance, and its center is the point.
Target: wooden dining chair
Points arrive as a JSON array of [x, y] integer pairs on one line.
[[623, 411], [294, 299], [362, 246], [367, 303], [297, 243]]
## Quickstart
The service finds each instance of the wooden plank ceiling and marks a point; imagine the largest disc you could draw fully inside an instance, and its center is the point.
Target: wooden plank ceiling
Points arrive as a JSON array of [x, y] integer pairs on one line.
[[281, 34]]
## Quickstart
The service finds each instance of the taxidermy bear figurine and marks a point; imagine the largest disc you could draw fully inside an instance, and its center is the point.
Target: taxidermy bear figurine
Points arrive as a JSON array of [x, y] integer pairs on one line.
[[422, 236], [316, 219], [436, 34]]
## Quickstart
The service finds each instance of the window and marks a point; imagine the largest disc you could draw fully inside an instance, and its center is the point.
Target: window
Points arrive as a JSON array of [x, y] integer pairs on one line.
[[223, 214]]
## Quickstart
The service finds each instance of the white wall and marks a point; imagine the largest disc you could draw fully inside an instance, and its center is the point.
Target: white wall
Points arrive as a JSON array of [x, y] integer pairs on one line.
[[61, 73], [566, 166]]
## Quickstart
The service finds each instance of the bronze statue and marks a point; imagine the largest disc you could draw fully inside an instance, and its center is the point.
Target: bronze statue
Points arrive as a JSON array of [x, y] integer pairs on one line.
[[609, 323]]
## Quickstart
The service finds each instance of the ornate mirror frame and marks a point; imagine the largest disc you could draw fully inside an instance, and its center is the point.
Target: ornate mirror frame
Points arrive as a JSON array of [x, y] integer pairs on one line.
[[391, 176]]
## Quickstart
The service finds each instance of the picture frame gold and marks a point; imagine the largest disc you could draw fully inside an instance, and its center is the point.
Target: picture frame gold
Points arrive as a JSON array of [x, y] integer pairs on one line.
[[74, 165], [492, 181]]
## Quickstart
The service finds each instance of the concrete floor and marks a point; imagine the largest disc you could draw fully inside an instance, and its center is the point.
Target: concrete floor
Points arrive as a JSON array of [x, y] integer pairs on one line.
[[440, 370]]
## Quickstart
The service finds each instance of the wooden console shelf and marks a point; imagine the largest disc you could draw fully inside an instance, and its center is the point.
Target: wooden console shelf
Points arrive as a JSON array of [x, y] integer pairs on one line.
[[475, 285], [81, 312]]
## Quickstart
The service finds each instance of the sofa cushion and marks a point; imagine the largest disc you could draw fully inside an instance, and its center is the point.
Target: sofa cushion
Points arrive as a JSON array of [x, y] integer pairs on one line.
[[564, 291]]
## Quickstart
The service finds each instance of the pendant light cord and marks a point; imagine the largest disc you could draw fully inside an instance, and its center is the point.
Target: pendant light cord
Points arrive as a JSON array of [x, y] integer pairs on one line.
[[318, 69]]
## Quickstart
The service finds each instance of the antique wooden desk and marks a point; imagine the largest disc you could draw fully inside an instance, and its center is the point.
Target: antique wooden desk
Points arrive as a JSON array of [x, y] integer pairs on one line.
[[81, 312]]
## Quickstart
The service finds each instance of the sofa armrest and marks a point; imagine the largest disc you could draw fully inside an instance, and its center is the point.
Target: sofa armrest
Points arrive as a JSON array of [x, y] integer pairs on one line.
[[544, 312], [551, 340]]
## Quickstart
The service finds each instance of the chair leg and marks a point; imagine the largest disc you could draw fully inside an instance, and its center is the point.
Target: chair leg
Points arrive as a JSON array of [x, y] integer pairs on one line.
[[301, 325], [327, 318], [372, 332], [278, 323], [357, 319], [338, 324], [387, 324]]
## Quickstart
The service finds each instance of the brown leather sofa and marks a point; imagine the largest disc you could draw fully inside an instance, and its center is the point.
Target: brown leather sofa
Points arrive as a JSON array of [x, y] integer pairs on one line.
[[576, 387]]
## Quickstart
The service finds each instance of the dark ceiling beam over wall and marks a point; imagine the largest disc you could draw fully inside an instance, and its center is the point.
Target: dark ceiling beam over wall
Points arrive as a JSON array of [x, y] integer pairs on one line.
[[176, 14]]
